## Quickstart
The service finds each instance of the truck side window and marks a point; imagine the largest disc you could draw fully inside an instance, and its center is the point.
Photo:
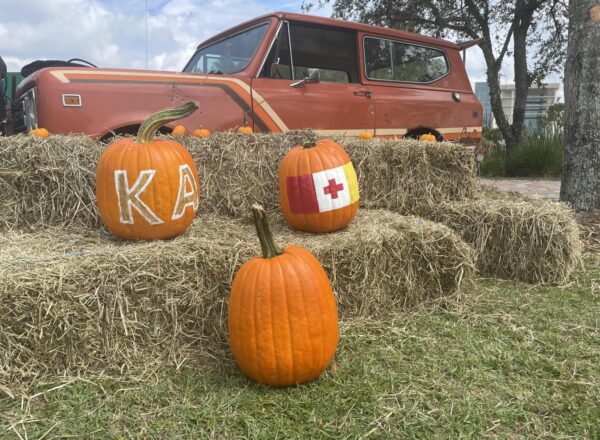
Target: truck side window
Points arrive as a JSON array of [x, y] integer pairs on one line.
[[331, 51], [388, 60]]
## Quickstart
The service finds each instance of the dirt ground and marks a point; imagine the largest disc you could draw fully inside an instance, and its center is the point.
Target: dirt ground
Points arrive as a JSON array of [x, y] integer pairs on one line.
[[550, 189]]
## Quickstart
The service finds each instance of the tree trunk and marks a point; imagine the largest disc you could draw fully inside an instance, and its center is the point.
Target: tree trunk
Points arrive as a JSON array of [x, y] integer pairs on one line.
[[581, 164], [521, 80]]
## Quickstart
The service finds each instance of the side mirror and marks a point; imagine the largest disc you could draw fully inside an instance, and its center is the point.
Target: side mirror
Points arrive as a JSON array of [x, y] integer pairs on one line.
[[313, 78]]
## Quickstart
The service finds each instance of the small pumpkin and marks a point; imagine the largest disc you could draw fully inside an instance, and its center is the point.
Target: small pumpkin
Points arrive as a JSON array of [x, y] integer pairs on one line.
[[39, 132], [245, 129], [146, 188], [201, 132], [318, 188], [365, 135], [179, 131], [428, 138], [282, 317]]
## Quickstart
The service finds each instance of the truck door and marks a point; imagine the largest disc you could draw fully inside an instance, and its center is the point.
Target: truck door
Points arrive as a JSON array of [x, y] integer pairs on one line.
[[415, 89], [310, 79]]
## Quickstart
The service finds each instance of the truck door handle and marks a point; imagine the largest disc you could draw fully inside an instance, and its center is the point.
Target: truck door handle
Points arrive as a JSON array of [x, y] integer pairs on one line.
[[365, 93]]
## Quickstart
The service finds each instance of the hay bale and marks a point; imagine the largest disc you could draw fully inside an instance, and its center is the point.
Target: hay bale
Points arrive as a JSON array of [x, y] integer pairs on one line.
[[83, 303], [402, 175], [50, 182], [534, 241]]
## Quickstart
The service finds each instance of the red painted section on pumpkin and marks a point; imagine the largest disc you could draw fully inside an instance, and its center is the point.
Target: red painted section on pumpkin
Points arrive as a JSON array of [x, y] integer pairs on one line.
[[302, 195]]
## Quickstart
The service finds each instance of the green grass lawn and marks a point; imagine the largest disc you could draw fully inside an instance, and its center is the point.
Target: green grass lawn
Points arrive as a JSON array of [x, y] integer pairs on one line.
[[504, 360]]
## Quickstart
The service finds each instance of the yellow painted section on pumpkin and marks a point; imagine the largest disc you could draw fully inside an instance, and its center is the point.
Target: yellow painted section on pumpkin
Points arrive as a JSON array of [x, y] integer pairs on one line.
[[352, 182]]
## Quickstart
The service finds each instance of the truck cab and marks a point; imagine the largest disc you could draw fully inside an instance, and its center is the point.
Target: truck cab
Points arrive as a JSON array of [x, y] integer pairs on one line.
[[275, 73]]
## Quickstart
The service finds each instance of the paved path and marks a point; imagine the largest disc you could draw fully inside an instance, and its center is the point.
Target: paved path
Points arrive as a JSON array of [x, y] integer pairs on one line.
[[543, 189]]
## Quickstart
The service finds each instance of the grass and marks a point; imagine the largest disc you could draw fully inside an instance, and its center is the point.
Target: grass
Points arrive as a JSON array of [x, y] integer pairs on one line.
[[536, 157], [505, 360]]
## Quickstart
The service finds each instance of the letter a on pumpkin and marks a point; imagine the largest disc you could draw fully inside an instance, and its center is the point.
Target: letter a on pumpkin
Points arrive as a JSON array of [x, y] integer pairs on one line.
[[130, 197], [187, 194]]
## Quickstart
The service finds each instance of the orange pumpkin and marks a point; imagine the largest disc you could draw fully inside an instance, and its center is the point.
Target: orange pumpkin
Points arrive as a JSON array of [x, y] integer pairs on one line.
[[145, 188], [39, 132], [245, 129], [365, 135], [201, 132], [428, 138], [318, 188], [282, 317], [178, 131]]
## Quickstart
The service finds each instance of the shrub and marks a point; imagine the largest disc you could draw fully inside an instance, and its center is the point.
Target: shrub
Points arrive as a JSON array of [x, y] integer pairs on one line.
[[536, 157]]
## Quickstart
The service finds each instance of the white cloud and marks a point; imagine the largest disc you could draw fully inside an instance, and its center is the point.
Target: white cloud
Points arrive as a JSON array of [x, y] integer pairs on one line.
[[112, 33]]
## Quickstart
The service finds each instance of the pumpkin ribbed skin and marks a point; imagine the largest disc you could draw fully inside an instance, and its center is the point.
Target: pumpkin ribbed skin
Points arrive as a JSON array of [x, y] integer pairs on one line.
[[145, 188], [303, 160], [428, 138], [282, 318]]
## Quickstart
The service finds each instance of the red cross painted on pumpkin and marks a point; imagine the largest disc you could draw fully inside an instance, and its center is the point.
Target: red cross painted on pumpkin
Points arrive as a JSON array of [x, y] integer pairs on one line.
[[333, 188]]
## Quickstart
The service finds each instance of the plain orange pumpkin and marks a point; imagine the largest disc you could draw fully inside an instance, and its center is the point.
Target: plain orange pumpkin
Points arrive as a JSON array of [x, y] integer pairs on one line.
[[365, 135], [297, 193], [245, 130], [39, 132], [201, 132], [428, 138], [282, 316], [146, 188], [178, 131]]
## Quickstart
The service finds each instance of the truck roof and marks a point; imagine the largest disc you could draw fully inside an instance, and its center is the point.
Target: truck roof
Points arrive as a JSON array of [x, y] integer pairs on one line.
[[339, 24]]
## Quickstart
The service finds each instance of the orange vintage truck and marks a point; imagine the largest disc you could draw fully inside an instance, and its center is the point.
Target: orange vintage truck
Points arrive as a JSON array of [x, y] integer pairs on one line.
[[277, 72]]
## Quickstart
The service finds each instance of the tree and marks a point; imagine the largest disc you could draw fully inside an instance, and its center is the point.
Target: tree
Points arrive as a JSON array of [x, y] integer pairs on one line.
[[554, 122], [580, 185], [536, 29]]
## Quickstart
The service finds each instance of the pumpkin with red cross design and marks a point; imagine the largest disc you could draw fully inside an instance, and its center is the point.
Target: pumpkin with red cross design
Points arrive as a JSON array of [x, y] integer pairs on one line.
[[318, 188]]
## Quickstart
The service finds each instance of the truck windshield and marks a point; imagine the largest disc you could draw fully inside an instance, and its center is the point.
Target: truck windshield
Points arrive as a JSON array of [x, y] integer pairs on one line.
[[230, 55]]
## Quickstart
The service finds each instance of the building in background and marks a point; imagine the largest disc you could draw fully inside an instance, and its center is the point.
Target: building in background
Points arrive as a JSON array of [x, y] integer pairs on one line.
[[539, 100]]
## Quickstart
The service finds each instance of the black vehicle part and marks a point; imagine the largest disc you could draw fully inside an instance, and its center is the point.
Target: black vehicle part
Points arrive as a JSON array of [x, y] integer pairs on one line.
[[40, 64]]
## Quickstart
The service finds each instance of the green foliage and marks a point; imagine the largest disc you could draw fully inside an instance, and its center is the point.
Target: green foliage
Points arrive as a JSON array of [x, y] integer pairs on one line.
[[536, 157]]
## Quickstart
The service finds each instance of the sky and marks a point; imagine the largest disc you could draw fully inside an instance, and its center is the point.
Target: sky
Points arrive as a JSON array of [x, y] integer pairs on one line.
[[112, 33]]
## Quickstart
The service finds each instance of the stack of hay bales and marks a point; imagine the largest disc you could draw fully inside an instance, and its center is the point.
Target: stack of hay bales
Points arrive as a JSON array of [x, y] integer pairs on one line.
[[51, 183], [78, 301]]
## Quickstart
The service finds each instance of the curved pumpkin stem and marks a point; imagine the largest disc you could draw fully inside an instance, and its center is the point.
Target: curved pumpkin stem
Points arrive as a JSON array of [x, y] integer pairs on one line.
[[269, 248], [151, 125]]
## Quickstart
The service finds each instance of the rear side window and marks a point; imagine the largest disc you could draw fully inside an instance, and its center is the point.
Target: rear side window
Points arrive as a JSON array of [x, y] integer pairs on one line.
[[388, 60]]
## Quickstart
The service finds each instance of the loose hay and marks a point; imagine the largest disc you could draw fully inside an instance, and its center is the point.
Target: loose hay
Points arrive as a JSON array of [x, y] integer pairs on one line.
[[51, 182], [85, 303]]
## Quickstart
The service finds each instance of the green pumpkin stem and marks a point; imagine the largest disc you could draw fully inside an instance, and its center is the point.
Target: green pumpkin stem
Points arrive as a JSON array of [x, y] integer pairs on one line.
[[267, 243], [310, 145], [151, 125]]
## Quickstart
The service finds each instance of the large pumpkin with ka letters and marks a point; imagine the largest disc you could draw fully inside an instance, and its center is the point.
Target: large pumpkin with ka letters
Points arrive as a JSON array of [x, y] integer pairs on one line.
[[148, 189], [318, 188], [282, 317]]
